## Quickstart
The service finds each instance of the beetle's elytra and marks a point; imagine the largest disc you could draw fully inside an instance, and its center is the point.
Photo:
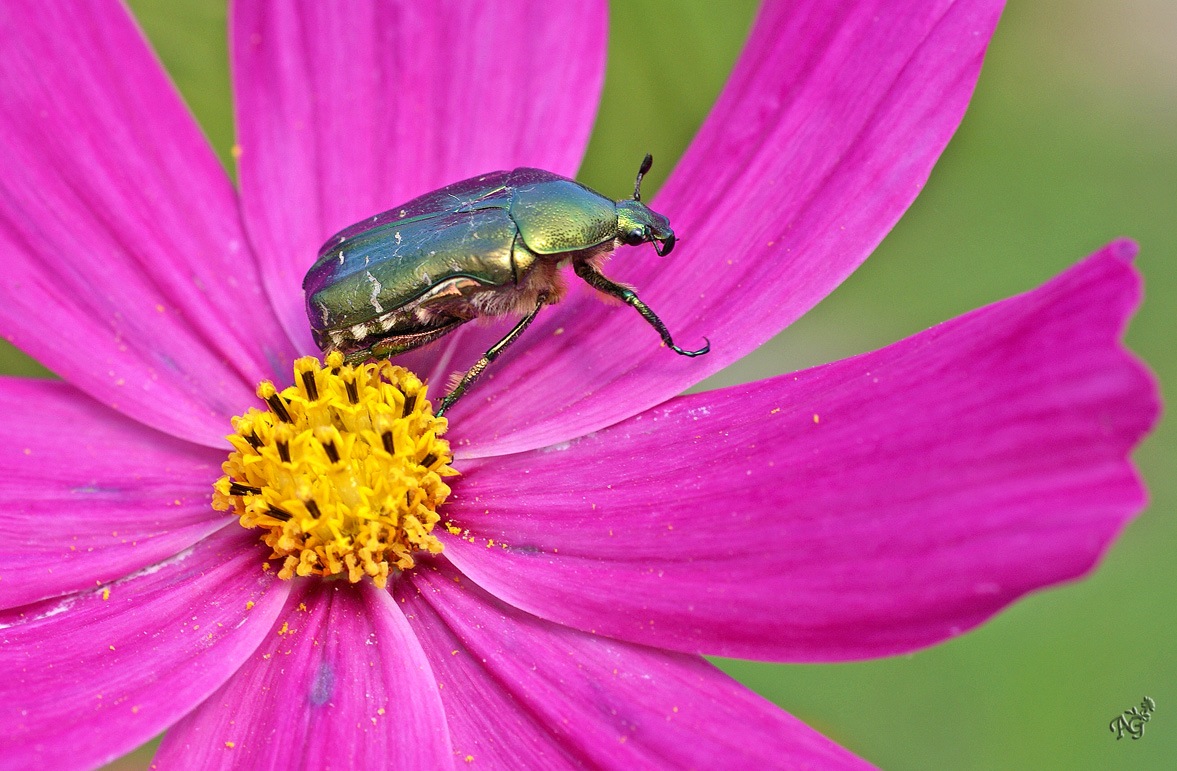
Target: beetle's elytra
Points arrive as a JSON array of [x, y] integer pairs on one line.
[[486, 246]]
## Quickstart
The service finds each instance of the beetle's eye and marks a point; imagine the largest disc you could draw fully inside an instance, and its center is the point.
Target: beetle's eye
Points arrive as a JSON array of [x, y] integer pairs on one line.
[[635, 237]]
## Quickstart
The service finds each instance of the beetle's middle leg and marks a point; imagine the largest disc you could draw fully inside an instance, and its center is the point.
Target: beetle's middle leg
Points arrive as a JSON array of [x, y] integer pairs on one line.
[[473, 373], [628, 296]]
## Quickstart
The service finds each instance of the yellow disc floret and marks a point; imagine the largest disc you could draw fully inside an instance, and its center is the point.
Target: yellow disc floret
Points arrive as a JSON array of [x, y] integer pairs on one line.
[[343, 472]]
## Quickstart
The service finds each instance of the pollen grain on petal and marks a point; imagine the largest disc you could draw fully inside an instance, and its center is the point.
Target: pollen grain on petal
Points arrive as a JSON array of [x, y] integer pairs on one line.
[[343, 471]]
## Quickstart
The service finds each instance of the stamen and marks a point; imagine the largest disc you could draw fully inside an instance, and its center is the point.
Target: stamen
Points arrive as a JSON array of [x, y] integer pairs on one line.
[[319, 476], [308, 382], [272, 398], [278, 513]]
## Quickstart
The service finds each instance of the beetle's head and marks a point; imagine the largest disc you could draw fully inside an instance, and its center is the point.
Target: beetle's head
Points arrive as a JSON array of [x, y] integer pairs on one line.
[[638, 223]]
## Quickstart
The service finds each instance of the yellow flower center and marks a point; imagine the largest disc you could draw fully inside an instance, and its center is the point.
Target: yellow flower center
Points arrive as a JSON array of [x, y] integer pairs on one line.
[[343, 472]]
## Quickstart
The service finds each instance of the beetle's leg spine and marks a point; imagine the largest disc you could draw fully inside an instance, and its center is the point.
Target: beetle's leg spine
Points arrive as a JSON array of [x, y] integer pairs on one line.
[[474, 372], [600, 283]]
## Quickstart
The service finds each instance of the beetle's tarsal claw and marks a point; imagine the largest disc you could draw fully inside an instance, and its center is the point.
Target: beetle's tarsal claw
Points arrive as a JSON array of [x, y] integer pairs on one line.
[[692, 354], [448, 401]]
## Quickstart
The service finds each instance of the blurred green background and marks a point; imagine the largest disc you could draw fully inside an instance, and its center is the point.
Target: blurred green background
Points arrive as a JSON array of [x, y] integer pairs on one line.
[[1069, 142]]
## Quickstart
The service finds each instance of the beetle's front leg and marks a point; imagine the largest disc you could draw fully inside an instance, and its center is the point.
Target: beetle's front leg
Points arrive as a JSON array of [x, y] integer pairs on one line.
[[473, 373], [627, 295]]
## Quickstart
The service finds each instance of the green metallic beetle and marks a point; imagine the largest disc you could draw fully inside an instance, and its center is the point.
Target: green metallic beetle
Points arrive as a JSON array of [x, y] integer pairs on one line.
[[486, 246]]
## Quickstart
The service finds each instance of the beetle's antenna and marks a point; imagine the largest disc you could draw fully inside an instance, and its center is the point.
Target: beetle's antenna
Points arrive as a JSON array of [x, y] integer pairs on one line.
[[647, 162]]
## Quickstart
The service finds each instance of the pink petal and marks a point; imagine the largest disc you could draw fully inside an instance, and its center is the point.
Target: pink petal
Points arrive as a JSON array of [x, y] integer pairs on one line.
[[826, 132], [126, 268], [521, 692], [344, 115], [341, 682], [90, 676], [863, 508], [88, 495]]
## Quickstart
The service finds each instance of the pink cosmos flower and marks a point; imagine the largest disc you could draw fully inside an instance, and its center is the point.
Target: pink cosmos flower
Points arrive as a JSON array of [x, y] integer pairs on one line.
[[863, 508]]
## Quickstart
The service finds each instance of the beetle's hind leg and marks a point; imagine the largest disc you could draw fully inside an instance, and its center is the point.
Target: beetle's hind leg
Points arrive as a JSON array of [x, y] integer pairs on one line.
[[628, 296], [473, 373]]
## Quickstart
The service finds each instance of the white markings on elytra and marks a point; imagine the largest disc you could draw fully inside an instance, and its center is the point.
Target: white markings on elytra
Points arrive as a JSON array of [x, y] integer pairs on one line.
[[375, 293]]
